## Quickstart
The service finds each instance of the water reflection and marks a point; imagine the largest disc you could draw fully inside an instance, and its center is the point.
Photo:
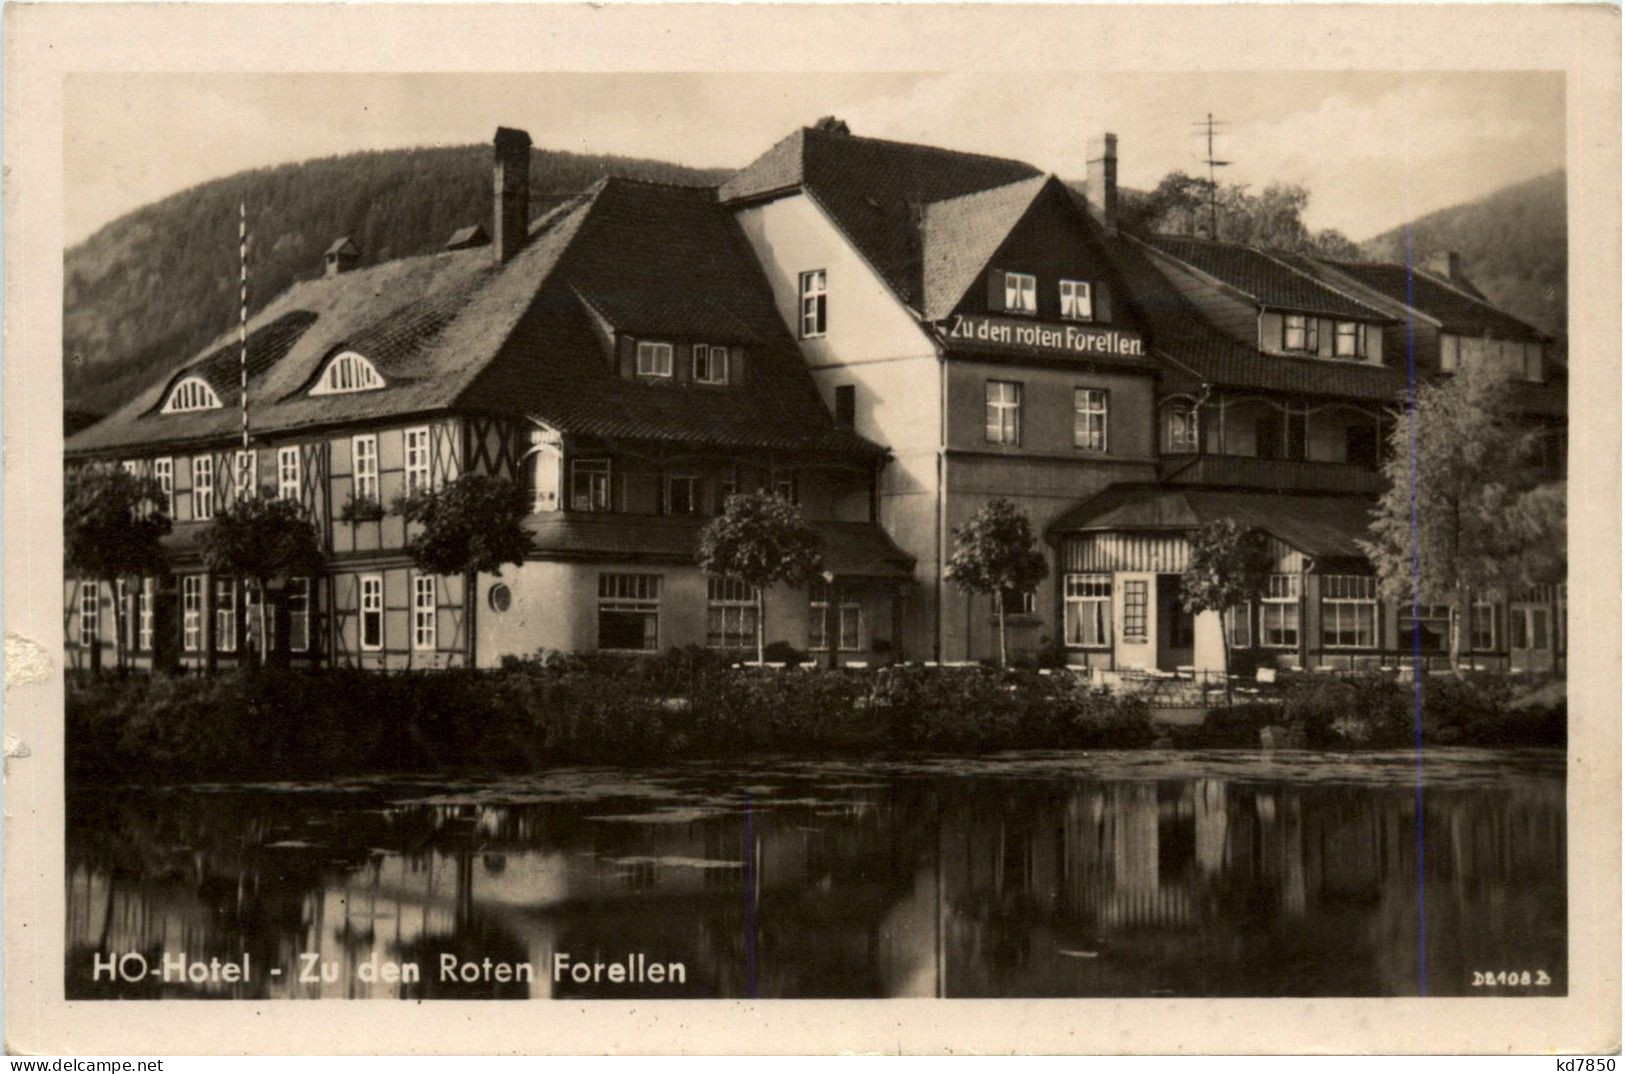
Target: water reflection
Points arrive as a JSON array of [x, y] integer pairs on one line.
[[1038, 875]]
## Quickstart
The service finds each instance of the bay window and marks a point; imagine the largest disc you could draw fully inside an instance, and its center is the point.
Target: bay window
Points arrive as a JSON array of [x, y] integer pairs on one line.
[[1348, 611], [1278, 612], [1088, 610]]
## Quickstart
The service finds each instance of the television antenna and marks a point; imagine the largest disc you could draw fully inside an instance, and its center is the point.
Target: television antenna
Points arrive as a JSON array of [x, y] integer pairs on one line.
[[1210, 128]]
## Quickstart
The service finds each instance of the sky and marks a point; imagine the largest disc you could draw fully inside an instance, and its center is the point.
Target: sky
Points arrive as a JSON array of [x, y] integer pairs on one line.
[[1375, 149]]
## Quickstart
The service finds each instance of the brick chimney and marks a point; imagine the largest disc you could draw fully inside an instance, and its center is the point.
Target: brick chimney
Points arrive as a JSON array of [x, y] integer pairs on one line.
[[1447, 264], [511, 210], [1101, 180]]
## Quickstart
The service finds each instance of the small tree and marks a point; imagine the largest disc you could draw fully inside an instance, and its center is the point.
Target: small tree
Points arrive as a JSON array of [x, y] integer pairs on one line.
[[1229, 566], [761, 539], [1464, 510], [468, 527], [113, 522], [266, 539], [994, 553]]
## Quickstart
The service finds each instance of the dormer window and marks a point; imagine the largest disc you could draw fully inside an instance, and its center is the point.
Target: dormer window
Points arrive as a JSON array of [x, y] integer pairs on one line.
[[1077, 301], [349, 372], [654, 359], [192, 393], [710, 364], [1020, 292]]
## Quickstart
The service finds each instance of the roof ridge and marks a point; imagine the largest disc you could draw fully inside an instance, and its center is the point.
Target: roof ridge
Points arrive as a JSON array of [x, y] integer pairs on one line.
[[1316, 280], [970, 154]]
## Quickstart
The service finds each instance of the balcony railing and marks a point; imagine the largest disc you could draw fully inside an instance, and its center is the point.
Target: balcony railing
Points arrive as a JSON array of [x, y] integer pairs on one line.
[[1277, 475]]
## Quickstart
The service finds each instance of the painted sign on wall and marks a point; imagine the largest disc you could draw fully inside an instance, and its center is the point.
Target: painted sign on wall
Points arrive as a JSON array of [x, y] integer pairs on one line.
[[1066, 340]]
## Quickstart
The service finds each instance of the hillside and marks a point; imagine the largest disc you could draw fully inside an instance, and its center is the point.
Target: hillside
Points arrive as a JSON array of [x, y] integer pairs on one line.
[[1513, 243], [156, 284]]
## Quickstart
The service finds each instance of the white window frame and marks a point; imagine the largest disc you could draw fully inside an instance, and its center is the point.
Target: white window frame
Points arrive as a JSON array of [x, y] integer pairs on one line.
[[370, 602], [251, 620], [90, 613], [364, 467], [1488, 607], [425, 612], [121, 599], [710, 364], [1086, 612], [1090, 419], [1002, 419], [599, 474], [1348, 607], [1354, 333], [1307, 329], [1077, 300], [654, 358], [144, 615], [630, 593], [1280, 610], [1521, 619], [202, 487], [225, 614], [1020, 292], [417, 459], [730, 614], [348, 372], [1238, 625], [695, 487], [296, 600], [848, 619], [813, 287], [191, 394], [243, 474], [1410, 615], [288, 475], [163, 471], [1183, 428], [192, 612]]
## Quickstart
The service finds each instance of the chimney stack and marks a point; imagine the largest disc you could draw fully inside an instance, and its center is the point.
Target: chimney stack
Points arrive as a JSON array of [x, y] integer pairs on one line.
[[1101, 180], [511, 210], [1445, 263], [342, 256]]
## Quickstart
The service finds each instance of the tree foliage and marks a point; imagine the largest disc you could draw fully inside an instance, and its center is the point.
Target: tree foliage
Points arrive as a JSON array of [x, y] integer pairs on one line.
[[761, 539], [1464, 510], [1228, 566], [995, 552], [473, 525], [266, 539], [1272, 218], [112, 527]]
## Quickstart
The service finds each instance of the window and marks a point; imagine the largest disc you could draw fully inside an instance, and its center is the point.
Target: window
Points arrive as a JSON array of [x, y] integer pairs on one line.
[[192, 393], [297, 600], [814, 304], [163, 471], [726, 486], [1427, 624], [225, 614], [143, 615], [1020, 601], [1483, 632], [372, 612], [1278, 612], [1449, 353], [1350, 339], [1182, 430], [417, 460], [1088, 615], [1020, 292], [710, 364], [654, 359], [846, 405], [242, 485], [682, 495], [629, 611], [785, 488], [589, 485], [1530, 628], [287, 473], [90, 601], [1089, 419], [730, 614], [848, 619], [1300, 333], [1348, 611], [1003, 412], [192, 612], [364, 463], [251, 619], [349, 372], [1077, 304], [131, 467], [203, 487], [1238, 621], [423, 611]]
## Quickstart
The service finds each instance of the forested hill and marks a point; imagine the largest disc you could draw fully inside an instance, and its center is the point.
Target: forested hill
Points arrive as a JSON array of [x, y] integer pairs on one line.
[[157, 284], [1513, 244]]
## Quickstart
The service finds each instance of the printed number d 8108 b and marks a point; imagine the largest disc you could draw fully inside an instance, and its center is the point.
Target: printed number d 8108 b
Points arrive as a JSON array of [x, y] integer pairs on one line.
[[1510, 979]]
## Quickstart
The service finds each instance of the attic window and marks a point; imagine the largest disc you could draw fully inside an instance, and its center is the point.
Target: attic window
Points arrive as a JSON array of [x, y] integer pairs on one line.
[[349, 372], [192, 393], [654, 359]]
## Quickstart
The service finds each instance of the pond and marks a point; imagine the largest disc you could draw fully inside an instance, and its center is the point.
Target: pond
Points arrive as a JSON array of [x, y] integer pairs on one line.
[[1144, 873]]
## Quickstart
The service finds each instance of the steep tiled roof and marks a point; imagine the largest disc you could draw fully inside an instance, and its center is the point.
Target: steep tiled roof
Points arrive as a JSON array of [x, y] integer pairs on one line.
[[876, 191], [960, 235], [1454, 309], [1266, 279], [858, 549], [1323, 526]]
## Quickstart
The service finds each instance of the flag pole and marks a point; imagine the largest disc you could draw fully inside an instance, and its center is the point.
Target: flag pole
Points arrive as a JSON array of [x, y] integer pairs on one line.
[[242, 311]]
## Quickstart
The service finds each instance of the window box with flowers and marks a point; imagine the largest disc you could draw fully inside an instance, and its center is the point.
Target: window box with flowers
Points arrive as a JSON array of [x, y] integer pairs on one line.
[[361, 509]]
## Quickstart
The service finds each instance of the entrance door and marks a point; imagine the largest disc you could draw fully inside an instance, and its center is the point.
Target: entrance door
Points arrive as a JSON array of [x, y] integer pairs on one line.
[[1176, 628]]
